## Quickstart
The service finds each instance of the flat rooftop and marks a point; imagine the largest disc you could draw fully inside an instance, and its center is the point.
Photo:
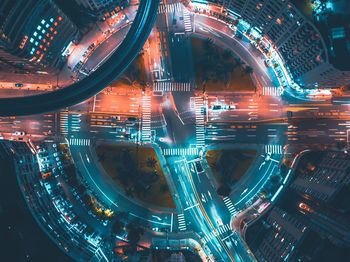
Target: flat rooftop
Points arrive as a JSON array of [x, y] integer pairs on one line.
[[332, 18]]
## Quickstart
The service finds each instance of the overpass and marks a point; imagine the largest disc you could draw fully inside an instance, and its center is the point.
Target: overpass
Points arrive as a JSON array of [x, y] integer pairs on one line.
[[96, 81]]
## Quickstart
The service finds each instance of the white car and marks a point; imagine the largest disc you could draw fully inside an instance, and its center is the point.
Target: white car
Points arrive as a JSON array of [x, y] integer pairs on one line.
[[19, 133]]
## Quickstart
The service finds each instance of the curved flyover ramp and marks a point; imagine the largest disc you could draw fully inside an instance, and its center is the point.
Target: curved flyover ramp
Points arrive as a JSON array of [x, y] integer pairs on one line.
[[96, 81]]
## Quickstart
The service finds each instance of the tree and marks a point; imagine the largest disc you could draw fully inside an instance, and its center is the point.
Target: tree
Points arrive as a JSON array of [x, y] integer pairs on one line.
[[341, 145], [134, 236], [224, 190], [151, 162], [129, 192], [248, 70], [227, 55], [117, 226], [239, 62], [101, 157]]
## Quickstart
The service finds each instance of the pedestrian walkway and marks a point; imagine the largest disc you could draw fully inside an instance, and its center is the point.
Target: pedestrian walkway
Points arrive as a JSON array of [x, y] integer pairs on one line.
[[274, 149], [75, 122], [230, 206], [100, 255], [187, 20], [64, 121], [171, 87], [146, 134], [169, 8], [200, 129], [182, 223], [272, 91], [216, 232], [180, 151], [79, 142]]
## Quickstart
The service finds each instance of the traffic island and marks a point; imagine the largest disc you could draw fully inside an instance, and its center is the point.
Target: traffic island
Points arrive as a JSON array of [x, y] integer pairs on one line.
[[137, 171], [218, 69], [229, 166], [135, 76]]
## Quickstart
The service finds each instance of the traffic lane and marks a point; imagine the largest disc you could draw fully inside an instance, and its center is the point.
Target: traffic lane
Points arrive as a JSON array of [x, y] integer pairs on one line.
[[195, 217], [246, 51], [242, 107], [179, 133], [118, 101], [108, 190], [105, 49], [181, 57], [211, 234], [318, 131], [211, 201], [32, 125], [248, 190], [246, 133]]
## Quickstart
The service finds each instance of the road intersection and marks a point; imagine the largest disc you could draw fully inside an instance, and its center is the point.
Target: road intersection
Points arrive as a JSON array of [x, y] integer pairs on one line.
[[178, 121]]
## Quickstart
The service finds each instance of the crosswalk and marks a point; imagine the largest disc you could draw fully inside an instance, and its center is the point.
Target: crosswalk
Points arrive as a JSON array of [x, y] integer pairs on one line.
[[272, 91], [169, 8], [187, 20], [180, 151], [64, 121], [216, 232], [79, 142], [171, 86], [200, 129], [182, 223], [146, 134], [230, 206], [75, 122], [273, 149]]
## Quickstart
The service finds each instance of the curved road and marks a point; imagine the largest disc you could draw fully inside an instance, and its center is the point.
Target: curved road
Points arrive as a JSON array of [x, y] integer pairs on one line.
[[97, 80]]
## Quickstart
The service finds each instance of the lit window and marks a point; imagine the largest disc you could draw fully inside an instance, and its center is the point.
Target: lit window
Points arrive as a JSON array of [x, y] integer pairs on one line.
[[33, 49], [40, 37], [35, 33], [42, 21], [31, 40], [47, 25], [39, 27], [60, 18], [43, 31], [31, 52], [51, 20], [36, 43]]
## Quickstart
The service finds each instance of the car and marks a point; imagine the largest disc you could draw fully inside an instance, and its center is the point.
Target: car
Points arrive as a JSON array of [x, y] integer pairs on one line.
[[19, 133], [18, 85], [216, 107]]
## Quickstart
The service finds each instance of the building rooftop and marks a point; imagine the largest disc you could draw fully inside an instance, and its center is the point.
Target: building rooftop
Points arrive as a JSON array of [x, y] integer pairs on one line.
[[332, 18]]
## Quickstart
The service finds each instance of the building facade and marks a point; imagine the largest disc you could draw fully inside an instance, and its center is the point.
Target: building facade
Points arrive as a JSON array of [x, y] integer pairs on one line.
[[102, 8], [313, 48], [33, 35]]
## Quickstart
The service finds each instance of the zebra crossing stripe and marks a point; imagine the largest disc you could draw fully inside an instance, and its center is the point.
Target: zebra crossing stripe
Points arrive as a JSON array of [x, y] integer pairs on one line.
[[146, 133], [79, 142], [180, 151], [171, 87], [230, 206], [216, 232], [272, 91], [169, 8], [274, 149], [64, 121], [187, 20], [200, 132], [182, 223]]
